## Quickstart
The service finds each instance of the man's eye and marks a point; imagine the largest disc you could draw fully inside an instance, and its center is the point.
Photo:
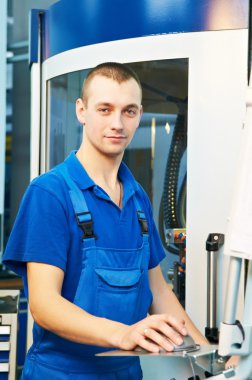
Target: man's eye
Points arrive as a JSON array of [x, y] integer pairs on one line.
[[103, 110], [131, 112]]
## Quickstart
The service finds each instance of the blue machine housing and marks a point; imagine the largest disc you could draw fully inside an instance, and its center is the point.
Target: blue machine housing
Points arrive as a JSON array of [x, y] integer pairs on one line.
[[67, 25]]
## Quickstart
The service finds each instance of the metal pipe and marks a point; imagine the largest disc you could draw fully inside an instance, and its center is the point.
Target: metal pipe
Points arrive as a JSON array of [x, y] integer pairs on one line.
[[244, 369], [247, 317], [232, 290], [213, 244], [211, 289]]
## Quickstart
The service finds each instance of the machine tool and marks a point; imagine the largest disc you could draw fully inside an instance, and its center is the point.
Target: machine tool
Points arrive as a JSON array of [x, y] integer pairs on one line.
[[235, 336]]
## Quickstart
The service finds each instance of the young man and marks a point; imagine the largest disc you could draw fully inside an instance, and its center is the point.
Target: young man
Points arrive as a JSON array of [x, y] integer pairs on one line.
[[87, 247]]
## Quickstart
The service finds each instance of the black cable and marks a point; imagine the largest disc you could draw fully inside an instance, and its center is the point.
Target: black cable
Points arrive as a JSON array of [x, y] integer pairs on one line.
[[172, 208], [177, 149]]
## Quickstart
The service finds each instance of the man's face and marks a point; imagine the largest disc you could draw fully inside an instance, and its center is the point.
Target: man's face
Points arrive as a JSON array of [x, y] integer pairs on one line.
[[111, 114]]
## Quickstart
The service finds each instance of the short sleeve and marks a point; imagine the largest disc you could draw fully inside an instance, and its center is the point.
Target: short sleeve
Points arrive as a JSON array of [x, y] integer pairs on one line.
[[40, 233]]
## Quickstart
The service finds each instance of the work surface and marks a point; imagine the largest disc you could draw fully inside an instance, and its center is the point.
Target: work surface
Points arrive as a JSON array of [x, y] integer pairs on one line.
[[205, 357], [201, 350]]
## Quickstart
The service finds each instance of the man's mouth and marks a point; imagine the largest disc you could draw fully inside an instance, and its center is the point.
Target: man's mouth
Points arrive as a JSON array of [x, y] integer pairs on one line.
[[116, 137]]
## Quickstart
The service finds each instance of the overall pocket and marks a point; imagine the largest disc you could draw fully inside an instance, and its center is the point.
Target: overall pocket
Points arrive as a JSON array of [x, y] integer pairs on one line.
[[119, 294]]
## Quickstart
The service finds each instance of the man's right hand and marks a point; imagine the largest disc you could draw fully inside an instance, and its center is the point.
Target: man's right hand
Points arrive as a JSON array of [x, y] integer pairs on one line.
[[153, 333]]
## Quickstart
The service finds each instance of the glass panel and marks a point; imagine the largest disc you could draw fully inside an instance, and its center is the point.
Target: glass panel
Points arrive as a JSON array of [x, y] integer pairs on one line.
[[157, 154], [65, 131]]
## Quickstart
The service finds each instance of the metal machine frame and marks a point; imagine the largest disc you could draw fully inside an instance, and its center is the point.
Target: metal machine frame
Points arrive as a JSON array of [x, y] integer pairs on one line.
[[235, 336]]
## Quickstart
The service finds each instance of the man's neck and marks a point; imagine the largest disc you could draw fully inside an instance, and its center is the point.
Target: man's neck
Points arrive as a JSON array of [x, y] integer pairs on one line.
[[102, 169]]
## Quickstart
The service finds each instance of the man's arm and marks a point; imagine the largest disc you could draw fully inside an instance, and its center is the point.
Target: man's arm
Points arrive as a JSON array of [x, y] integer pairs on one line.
[[53, 312], [165, 301]]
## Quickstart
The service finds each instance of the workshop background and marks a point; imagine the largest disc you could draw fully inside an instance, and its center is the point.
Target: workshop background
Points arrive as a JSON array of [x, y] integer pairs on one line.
[[184, 154]]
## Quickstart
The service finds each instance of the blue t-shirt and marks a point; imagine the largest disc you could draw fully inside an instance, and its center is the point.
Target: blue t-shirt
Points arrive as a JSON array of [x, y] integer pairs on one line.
[[46, 230]]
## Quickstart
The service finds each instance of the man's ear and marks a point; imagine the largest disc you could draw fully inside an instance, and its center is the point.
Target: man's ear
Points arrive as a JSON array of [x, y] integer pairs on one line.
[[80, 110], [141, 110]]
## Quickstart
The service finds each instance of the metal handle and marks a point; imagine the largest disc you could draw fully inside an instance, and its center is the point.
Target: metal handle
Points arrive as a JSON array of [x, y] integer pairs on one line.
[[213, 244]]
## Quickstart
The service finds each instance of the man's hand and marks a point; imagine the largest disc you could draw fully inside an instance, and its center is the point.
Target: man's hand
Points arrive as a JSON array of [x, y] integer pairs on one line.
[[232, 362], [152, 334], [165, 302]]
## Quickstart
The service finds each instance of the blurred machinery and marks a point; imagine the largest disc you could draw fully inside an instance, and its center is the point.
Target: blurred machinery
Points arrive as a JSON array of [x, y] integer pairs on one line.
[[9, 305], [177, 273]]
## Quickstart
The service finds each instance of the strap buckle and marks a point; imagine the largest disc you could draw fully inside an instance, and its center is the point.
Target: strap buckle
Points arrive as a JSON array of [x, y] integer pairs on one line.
[[143, 222], [85, 222]]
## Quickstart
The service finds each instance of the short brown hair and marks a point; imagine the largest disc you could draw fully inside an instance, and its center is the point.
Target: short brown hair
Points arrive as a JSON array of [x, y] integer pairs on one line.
[[113, 70]]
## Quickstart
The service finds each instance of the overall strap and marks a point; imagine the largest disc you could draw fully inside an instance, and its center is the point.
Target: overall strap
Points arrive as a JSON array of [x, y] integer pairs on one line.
[[141, 217], [82, 214]]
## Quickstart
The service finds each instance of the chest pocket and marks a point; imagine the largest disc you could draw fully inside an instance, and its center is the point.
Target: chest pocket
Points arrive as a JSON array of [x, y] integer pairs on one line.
[[119, 278], [117, 292]]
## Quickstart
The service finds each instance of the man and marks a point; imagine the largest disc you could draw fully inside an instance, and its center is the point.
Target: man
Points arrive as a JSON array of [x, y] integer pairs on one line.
[[87, 247]]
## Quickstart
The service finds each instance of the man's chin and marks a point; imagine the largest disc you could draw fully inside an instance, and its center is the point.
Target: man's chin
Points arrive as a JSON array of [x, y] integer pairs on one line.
[[115, 154]]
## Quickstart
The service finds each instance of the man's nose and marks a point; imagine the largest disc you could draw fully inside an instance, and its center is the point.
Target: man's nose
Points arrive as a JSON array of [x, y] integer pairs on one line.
[[116, 122]]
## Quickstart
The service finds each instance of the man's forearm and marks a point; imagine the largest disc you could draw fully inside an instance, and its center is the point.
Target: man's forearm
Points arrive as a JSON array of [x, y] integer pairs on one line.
[[67, 320]]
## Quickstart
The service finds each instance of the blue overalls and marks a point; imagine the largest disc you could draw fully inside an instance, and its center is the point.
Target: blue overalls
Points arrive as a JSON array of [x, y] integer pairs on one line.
[[113, 284]]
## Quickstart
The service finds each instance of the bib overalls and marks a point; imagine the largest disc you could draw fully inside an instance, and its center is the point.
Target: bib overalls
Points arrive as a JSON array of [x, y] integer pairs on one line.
[[113, 284]]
